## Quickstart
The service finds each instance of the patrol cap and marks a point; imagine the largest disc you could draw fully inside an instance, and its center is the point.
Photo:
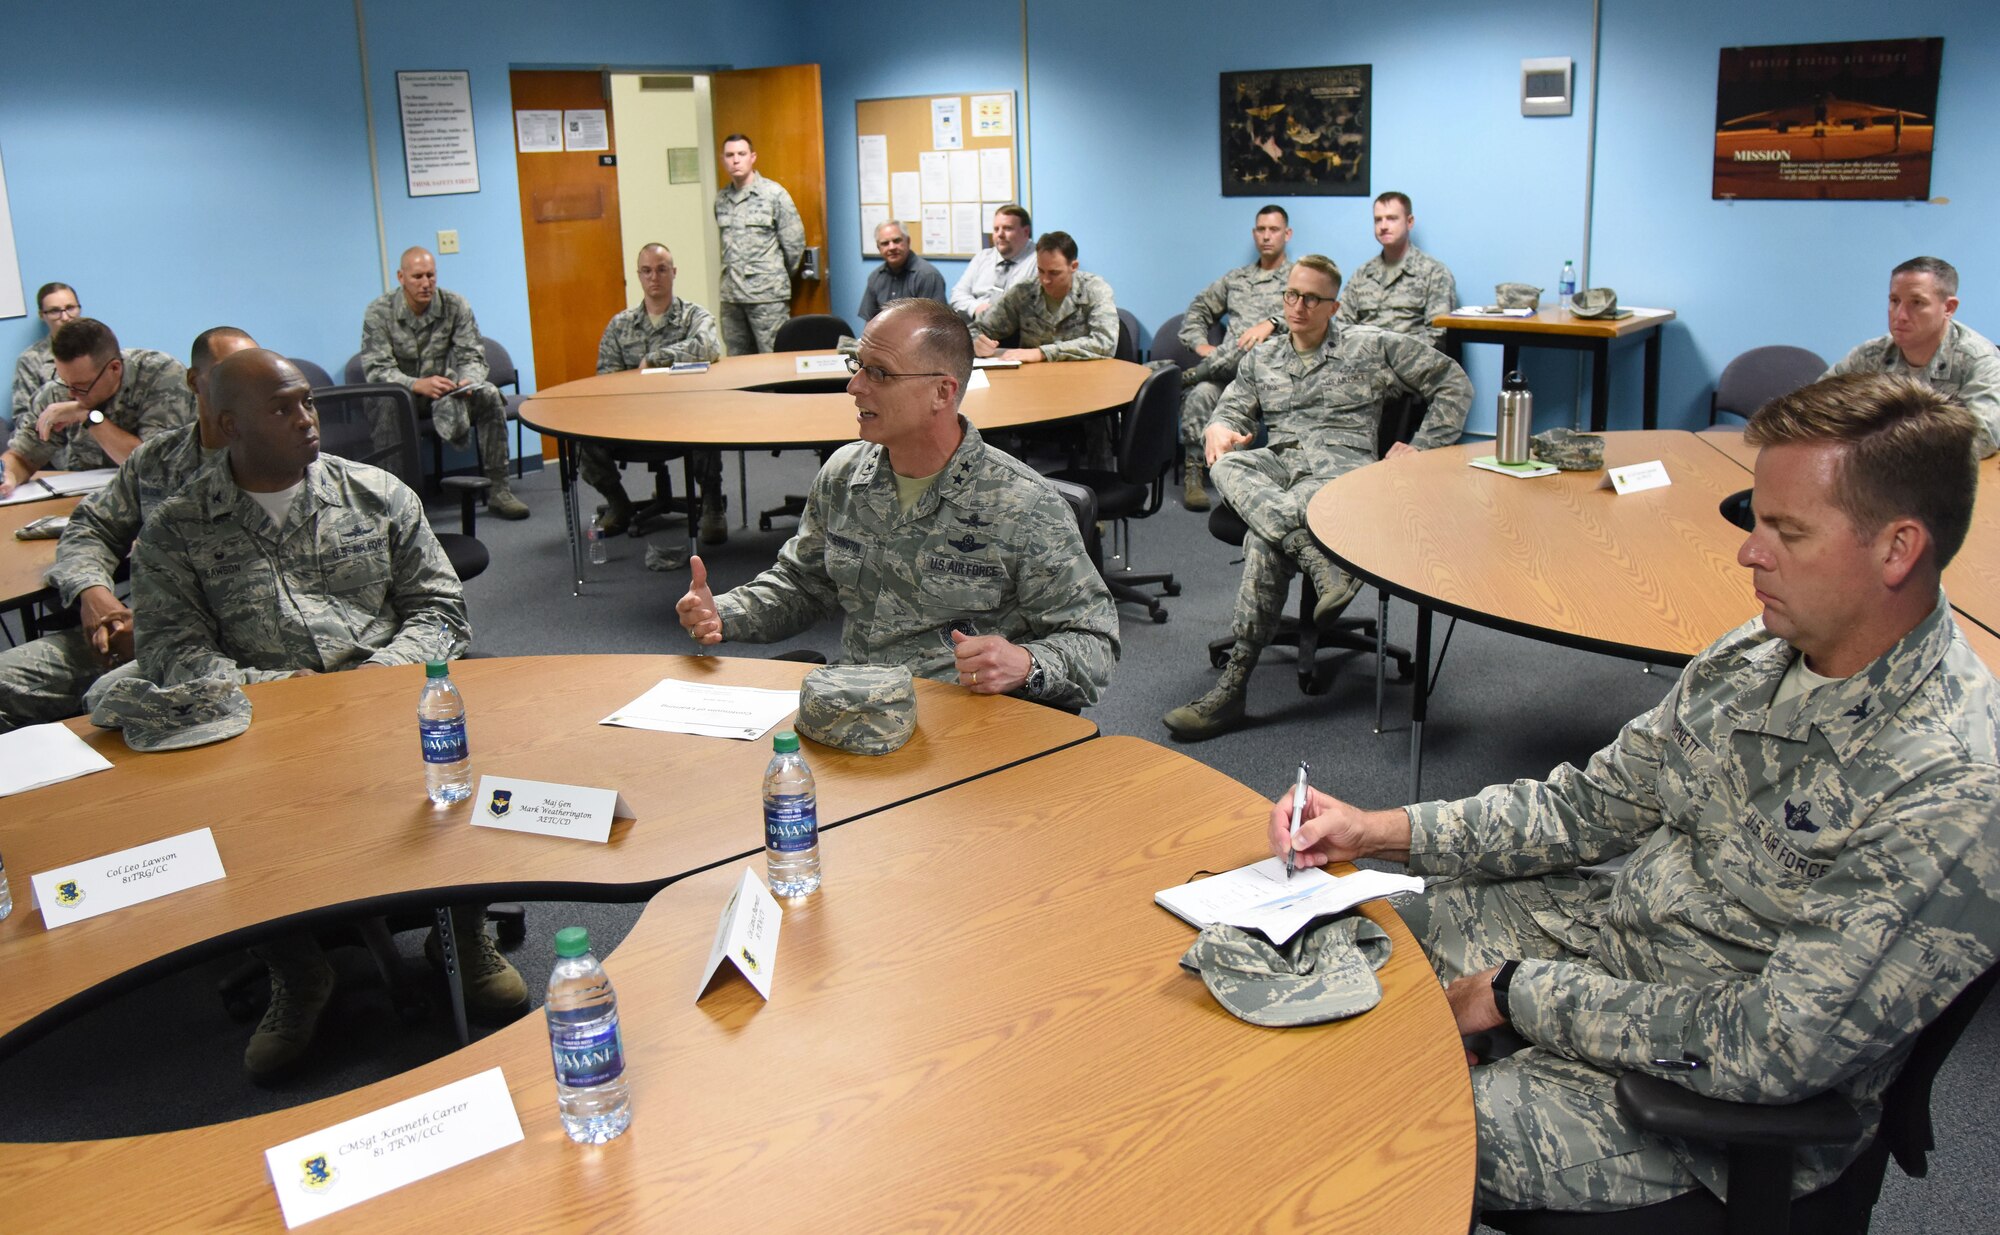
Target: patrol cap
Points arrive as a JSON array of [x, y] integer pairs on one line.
[[173, 717], [1567, 449], [1325, 973], [1594, 302], [1516, 295], [864, 709]]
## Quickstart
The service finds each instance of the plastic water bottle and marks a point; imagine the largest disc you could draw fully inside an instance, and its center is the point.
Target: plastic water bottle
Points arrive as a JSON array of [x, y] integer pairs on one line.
[[1566, 286], [791, 820], [6, 893], [592, 1094], [598, 555], [441, 723]]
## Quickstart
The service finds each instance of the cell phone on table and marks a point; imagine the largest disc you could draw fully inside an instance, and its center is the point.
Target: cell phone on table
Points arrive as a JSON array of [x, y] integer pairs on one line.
[[48, 527]]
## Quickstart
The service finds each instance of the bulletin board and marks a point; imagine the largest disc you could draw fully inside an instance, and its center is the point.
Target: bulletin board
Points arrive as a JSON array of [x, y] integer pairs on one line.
[[939, 164]]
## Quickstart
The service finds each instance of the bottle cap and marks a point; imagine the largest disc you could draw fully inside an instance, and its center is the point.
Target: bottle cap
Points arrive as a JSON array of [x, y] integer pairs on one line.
[[437, 668], [572, 941], [785, 743]]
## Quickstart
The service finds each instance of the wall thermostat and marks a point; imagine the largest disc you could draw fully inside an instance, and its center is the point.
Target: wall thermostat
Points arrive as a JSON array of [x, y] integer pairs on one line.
[[1545, 86]]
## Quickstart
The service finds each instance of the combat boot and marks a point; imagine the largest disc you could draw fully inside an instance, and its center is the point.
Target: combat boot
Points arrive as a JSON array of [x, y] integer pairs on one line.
[[617, 513], [301, 985], [714, 519], [500, 499], [1221, 709], [1335, 586], [1194, 481], [494, 991]]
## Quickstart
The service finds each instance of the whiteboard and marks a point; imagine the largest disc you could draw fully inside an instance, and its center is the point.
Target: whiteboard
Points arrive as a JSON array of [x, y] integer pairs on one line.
[[12, 302]]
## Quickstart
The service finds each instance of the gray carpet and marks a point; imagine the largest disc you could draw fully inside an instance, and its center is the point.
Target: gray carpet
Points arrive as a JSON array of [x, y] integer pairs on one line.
[[1504, 707]]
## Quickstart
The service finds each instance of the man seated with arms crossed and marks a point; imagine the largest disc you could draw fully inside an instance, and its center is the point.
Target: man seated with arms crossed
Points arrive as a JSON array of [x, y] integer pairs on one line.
[[276, 562], [47, 679], [1402, 288], [1249, 298], [1319, 389], [993, 271], [425, 338], [656, 333], [902, 274], [1807, 819], [1928, 343], [942, 553], [103, 400], [35, 367]]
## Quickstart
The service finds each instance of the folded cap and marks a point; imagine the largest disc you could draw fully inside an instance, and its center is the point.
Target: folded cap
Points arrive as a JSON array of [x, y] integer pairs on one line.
[[172, 717], [865, 709], [1516, 295], [1594, 302], [1567, 449], [1324, 973]]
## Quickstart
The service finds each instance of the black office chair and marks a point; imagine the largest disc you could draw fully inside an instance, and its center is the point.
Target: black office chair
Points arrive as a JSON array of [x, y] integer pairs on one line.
[[1147, 446], [1167, 343], [1759, 376], [377, 424], [356, 375], [316, 377], [1761, 1139], [811, 332], [1129, 334], [500, 370], [1736, 509]]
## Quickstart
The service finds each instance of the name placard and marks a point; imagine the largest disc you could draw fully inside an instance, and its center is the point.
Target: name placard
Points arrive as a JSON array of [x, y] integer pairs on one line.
[[142, 873], [328, 1170], [747, 936], [1638, 477], [577, 812]]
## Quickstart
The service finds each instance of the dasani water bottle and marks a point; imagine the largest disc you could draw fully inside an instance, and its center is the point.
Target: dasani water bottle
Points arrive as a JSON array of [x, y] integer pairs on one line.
[[592, 1094], [791, 820], [441, 724]]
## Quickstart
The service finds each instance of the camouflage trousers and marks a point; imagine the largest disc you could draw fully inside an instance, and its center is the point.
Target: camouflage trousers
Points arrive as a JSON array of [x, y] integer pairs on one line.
[[751, 328], [476, 409], [1551, 1134], [1269, 489], [598, 464], [48, 679], [1199, 397]]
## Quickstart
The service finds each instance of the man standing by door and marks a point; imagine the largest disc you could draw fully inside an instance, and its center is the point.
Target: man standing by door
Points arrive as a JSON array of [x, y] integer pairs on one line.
[[762, 242]]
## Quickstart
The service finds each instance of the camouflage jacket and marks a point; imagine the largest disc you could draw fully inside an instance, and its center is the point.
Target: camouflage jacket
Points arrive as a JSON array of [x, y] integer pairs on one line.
[[1808, 882], [152, 396], [1329, 404], [763, 239], [1403, 297], [1083, 327], [104, 525], [1966, 367], [35, 369], [989, 549], [1246, 295], [355, 577], [398, 346], [631, 341]]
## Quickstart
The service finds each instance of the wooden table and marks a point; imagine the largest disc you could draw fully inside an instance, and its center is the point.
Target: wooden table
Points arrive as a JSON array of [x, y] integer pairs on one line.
[[25, 563], [1559, 328], [319, 809], [980, 1022]]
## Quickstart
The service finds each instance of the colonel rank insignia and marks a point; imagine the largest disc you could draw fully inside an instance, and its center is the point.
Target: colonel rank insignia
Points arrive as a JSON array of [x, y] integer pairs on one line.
[[497, 806]]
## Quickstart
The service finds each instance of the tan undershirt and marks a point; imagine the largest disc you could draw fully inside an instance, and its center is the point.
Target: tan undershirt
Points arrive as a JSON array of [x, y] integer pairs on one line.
[[910, 489]]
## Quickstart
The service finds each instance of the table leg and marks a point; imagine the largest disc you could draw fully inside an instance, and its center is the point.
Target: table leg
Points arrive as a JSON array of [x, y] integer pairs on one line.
[[1600, 385], [1420, 698], [743, 488], [565, 470], [454, 975], [693, 499], [1381, 650], [1510, 359], [1454, 347], [1652, 396]]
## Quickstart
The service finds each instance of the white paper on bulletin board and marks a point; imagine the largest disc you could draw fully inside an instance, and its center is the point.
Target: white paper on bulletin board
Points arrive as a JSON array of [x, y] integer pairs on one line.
[[872, 151], [872, 217], [439, 155], [993, 115], [937, 227], [13, 301]]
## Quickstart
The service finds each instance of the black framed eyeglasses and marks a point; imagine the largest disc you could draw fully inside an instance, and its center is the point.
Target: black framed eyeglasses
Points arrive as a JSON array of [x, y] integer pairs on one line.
[[77, 392], [1307, 299], [56, 315], [876, 373]]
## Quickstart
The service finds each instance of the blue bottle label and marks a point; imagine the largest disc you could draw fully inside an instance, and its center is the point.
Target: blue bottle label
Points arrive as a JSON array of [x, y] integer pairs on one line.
[[444, 740], [587, 1057], [791, 823]]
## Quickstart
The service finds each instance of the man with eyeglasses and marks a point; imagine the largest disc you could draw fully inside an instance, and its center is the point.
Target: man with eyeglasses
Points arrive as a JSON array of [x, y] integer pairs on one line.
[[999, 269], [36, 368], [940, 552], [1319, 390], [102, 401]]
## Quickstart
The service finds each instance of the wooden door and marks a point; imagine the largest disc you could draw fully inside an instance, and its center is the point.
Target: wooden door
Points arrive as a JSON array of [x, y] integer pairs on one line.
[[778, 109], [569, 233]]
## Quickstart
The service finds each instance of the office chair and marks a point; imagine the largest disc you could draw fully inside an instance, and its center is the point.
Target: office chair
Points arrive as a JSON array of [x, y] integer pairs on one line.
[[501, 372], [377, 424], [1146, 451], [812, 332], [1129, 334], [1760, 1140], [1736, 509], [356, 375], [1167, 343], [1759, 376], [316, 377]]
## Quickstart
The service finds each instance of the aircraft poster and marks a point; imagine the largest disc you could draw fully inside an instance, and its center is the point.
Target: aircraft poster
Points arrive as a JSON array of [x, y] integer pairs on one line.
[[1827, 121], [1296, 132]]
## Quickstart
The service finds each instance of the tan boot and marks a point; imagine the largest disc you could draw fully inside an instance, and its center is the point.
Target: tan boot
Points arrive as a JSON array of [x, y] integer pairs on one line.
[[500, 500], [1194, 481], [1335, 586], [301, 985], [494, 991], [617, 513], [714, 519], [1221, 709]]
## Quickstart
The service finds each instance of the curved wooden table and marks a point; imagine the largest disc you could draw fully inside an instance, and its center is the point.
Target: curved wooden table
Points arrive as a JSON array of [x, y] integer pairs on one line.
[[1557, 327], [319, 809], [25, 563], [980, 1022]]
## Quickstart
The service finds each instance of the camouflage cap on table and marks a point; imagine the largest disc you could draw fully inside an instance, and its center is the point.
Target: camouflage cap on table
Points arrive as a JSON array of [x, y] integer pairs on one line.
[[865, 709], [1594, 302], [1325, 973], [1567, 449], [1516, 295], [173, 717]]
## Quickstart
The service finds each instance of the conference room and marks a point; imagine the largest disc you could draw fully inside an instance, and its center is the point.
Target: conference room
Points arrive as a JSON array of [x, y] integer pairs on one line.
[[249, 168]]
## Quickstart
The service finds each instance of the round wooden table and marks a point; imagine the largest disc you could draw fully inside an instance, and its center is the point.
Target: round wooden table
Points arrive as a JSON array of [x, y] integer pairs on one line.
[[24, 563]]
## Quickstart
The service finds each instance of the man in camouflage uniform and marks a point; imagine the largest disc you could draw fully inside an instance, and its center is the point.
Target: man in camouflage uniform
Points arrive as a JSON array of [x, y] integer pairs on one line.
[[1927, 342], [1402, 288], [277, 562], [944, 554], [1065, 314], [36, 366], [47, 679], [425, 338], [763, 241], [1249, 298], [103, 400], [659, 331], [1319, 389], [1808, 819]]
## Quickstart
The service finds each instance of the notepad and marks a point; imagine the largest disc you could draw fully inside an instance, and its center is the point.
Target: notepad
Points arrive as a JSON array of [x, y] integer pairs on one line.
[[1524, 471], [1259, 897]]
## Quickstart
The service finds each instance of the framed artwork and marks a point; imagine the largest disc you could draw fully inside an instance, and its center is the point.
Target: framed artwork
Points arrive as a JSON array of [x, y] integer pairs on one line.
[[1296, 132]]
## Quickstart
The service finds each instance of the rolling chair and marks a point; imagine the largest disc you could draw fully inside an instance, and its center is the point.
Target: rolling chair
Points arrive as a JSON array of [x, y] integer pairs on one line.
[[356, 375], [377, 424], [811, 332], [1167, 343], [1146, 451], [1759, 376], [501, 372], [1129, 334], [316, 377]]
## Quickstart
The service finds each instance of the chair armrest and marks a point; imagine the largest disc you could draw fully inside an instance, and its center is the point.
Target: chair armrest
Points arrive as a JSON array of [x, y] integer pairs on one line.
[[469, 489], [1660, 1106]]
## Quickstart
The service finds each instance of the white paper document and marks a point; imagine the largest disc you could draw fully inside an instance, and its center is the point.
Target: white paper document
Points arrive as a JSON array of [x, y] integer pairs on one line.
[[996, 176], [573, 812], [965, 176], [947, 123], [674, 706], [994, 362], [978, 381], [993, 116], [934, 171], [586, 129], [1258, 897], [69, 484], [965, 227], [872, 156], [906, 198], [872, 217], [747, 936], [38, 755], [79, 890], [538, 131], [937, 227], [326, 1171]]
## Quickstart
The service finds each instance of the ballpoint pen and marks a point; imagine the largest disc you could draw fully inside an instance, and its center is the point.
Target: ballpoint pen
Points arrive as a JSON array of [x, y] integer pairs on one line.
[[1298, 805]]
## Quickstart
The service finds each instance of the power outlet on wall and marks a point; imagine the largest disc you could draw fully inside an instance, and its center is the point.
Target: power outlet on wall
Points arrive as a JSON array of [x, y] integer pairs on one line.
[[448, 241]]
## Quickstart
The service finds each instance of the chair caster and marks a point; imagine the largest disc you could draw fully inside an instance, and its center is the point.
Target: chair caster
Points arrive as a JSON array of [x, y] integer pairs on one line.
[[763, 523], [1217, 658], [1171, 589], [1311, 684], [1159, 617]]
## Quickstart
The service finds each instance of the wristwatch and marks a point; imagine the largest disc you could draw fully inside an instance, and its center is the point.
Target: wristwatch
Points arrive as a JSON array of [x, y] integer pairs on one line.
[[95, 416], [1501, 981], [1038, 677]]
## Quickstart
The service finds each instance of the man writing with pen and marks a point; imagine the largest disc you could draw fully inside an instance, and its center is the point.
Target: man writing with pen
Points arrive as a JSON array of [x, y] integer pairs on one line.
[[1806, 822]]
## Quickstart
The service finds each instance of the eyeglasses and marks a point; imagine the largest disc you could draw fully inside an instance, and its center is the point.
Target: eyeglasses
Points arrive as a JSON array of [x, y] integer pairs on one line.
[[77, 392], [1307, 299], [57, 314], [876, 373]]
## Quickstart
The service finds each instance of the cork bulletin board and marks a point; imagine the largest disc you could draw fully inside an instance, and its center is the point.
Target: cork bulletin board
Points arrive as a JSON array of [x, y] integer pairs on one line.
[[939, 164]]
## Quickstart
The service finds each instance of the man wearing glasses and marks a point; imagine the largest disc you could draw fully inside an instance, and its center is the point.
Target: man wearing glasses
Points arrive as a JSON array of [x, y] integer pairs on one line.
[[36, 368], [99, 406], [1319, 389], [942, 553]]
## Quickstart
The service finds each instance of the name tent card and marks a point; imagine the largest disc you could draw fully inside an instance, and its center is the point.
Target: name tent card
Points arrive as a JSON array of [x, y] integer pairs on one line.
[[327, 1171], [142, 873], [576, 812], [822, 364], [1638, 478], [747, 936]]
